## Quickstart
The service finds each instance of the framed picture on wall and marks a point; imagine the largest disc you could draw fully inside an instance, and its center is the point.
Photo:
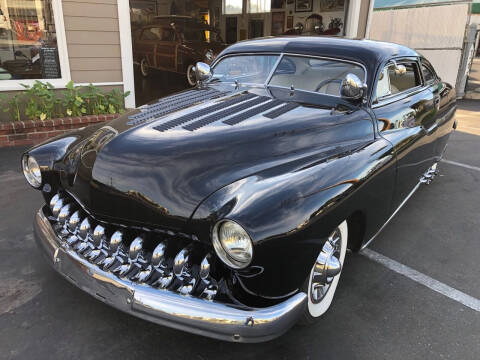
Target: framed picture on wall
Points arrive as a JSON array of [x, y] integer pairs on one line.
[[289, 22], [331, 5], [278, 23], [278, 4], [303, 5]]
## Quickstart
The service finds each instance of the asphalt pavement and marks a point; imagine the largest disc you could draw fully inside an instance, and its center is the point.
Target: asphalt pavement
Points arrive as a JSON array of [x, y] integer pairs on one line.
[[377, 313]]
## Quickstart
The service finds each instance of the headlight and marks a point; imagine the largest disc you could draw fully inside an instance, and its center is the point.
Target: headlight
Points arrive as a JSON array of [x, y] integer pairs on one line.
[[232, 244], [31, 170], [209, 55]]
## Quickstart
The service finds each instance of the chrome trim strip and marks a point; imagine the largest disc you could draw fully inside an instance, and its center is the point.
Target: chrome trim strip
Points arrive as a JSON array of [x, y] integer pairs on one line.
[[434, 167], [203, 317], [391, 217]]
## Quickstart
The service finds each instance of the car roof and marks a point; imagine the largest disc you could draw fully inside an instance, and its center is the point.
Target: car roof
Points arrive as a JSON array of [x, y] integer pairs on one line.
[[367, 52]]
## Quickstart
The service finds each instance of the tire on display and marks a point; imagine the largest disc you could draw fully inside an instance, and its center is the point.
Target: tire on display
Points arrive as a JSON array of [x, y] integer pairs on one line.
[[316, 308]]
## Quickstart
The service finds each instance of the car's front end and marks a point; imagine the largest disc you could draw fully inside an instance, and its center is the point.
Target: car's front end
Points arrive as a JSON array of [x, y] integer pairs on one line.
[[206, 210]]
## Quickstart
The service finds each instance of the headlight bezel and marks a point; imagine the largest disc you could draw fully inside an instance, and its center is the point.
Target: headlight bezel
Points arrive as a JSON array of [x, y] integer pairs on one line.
[[32, 171], [222, 251]]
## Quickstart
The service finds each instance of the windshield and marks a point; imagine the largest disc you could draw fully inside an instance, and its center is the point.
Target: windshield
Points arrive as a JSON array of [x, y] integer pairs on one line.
[[323, 76], [247, 69]]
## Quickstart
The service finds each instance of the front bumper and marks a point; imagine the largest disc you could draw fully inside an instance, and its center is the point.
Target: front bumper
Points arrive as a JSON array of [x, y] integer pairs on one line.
[[199, 316]]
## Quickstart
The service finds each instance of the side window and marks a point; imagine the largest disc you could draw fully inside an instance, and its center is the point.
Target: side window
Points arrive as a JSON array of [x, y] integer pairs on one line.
[[391, 81], [428, 74]]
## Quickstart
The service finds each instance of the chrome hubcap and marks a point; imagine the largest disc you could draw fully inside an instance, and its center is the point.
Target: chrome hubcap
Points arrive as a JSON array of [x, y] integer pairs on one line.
[[326, 267]]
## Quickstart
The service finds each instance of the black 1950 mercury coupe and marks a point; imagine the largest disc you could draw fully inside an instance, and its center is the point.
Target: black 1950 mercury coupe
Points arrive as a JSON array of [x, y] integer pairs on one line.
[[226, 210]]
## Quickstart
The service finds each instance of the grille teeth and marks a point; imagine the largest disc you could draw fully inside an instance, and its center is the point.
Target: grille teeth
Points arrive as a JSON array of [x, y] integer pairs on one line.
[[164, 268]]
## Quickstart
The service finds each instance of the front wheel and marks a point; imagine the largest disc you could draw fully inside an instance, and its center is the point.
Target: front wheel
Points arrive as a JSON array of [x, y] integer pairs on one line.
[[144, 68], [191, 75], [323, 280]]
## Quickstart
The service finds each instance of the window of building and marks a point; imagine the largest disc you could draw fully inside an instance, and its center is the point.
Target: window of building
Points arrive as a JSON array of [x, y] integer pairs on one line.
[[392, 81], [29, 43], [258, 6], [232, 7]]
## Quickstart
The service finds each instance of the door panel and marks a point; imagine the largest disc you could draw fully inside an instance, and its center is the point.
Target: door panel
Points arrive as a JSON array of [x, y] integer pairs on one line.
[[445, 105], [403, 122]]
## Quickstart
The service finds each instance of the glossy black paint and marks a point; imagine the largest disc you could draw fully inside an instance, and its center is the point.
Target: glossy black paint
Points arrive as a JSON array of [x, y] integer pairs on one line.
[[288, 180]]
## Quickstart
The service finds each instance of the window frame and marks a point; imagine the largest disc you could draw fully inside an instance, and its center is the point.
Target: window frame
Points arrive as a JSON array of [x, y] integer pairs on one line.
[[428, 65], [15, 85], [388, 99]]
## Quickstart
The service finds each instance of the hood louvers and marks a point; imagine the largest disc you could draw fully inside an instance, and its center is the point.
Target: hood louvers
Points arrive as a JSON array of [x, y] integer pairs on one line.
[[171, 104], [234, 120], [281, 110], [224, 113], [196, 114]]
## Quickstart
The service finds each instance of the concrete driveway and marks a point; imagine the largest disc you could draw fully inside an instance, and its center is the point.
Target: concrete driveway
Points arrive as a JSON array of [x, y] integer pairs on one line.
[[414, 295]]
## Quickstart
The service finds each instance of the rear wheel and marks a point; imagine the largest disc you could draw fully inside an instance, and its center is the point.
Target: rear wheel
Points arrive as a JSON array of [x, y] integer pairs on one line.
[[323, 280]]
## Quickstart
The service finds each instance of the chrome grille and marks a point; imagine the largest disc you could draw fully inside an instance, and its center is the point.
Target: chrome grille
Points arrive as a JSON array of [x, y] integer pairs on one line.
[[164, 262]]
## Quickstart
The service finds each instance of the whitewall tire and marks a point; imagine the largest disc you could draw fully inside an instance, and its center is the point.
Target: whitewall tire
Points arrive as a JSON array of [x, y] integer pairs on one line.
[[191, 75], [330, 262]]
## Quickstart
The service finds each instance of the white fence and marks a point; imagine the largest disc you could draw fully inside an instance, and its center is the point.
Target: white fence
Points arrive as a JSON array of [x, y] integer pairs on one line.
[[436, 32]]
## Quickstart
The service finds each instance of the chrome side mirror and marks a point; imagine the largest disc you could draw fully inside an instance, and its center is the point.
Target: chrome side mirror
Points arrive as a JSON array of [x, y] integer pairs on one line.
[[352, 88], [399, 69], [203, 72]]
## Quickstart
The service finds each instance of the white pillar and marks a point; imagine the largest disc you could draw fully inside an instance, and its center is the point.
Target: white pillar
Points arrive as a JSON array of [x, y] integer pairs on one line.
[[126, 51], [352, 18]]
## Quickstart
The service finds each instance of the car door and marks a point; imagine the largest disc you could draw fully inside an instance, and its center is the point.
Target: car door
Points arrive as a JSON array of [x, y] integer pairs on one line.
[[145, 46], [444, 101], [166, 48], [404, 110]]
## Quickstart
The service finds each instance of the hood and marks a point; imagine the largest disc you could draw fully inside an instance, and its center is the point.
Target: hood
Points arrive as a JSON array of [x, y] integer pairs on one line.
[[156, 164]]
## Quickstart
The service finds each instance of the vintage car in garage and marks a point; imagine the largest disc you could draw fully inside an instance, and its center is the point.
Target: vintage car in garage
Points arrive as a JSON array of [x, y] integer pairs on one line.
[[175, 44], [226, 210]]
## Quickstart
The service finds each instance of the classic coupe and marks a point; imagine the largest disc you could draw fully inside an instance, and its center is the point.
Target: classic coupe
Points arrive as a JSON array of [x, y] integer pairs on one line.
[[174, 44], [226, 210]]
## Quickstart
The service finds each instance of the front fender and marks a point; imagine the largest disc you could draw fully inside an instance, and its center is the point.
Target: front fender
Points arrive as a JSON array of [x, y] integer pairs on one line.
[[290, 215]]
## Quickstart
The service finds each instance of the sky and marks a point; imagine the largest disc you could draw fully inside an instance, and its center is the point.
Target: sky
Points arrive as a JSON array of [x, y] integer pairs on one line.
[[391, 3]]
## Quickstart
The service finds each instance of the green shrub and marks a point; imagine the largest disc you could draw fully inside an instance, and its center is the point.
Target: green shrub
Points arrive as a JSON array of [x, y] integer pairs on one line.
[[41, 101]]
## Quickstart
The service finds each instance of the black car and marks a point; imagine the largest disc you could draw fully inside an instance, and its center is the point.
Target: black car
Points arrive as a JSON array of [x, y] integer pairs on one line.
[[226, 210]]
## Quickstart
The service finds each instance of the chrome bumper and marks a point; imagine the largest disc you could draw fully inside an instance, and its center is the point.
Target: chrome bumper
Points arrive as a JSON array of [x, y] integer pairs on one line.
[[202, 317]]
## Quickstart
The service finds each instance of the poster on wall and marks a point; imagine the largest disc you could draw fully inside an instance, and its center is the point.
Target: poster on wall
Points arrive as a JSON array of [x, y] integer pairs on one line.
[[278, 23], [289, 22], [278, 4], [331, 5], [303, 5]]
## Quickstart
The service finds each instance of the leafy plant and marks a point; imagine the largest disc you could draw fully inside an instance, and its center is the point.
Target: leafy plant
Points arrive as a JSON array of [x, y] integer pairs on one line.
[[73, 102], [11, 105], [41, 101]]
